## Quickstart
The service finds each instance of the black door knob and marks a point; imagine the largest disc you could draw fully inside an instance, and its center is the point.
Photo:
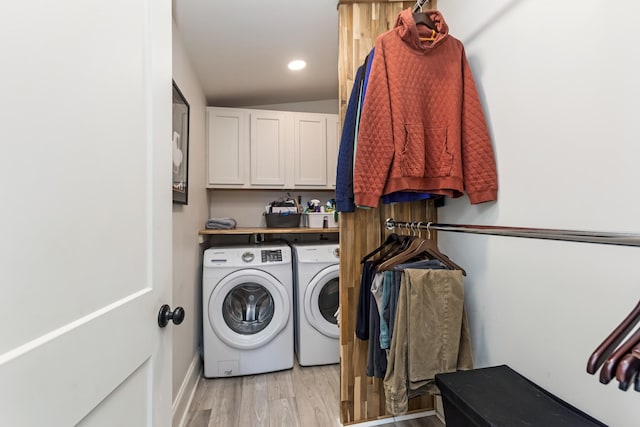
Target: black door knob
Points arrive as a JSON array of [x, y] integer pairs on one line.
[[165, 314]]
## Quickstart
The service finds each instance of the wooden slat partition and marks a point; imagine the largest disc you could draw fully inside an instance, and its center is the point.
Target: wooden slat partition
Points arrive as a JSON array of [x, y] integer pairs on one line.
[[362, 398]]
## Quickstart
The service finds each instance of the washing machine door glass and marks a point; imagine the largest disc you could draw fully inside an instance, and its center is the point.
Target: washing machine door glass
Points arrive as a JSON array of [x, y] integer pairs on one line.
[[321, 300], [248, 308], [329, 300]]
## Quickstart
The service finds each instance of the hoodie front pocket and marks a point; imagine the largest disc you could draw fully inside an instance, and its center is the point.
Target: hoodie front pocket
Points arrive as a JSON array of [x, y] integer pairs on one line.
[[438, 156], [412, 156]]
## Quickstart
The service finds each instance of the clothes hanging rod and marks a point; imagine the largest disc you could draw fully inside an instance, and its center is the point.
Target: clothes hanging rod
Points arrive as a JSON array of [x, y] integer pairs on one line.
[[603, 237]]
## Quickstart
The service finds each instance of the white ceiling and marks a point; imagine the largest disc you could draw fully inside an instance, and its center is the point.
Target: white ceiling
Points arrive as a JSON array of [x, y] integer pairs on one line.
[[240, 50]]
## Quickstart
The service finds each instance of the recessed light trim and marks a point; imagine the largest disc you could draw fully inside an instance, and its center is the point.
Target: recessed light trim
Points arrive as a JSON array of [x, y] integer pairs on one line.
[[297, 64]]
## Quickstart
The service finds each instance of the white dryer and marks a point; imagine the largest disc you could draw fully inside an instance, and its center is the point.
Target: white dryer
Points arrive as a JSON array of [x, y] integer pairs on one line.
[[247, 299], [317, 287]]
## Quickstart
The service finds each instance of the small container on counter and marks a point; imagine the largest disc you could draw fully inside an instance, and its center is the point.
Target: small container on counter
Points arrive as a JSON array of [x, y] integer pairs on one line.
[[320, 219]]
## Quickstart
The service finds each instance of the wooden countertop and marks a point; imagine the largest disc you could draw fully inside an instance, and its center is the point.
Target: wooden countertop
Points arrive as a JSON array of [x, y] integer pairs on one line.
[[262, 230]]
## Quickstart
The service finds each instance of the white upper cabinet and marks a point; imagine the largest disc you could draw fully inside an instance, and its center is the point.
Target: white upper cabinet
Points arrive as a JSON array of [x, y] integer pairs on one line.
[[310, 150], [227, 146], [268, 147], [271, 149]]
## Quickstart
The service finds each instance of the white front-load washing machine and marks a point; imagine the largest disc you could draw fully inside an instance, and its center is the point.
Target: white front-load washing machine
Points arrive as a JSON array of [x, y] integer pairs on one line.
[[247, 301], [316, 293]]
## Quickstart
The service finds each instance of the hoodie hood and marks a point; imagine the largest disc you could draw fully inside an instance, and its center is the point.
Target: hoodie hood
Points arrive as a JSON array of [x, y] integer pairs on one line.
[[410, 33]]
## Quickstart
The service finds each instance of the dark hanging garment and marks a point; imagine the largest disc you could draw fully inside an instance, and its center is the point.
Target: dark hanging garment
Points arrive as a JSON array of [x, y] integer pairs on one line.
[[390, 313], [376, 356], [362, 319]]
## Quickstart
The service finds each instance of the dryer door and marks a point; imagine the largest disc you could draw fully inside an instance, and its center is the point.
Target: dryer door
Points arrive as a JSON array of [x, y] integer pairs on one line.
[[321, 300], [248, 308]]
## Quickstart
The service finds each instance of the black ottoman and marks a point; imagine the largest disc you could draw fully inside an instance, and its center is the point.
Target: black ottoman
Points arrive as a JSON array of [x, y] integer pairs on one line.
[[499, 396]]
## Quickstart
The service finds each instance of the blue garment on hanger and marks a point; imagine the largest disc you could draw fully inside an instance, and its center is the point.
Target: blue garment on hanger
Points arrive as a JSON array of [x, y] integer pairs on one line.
[[363, 91], [385, 335], [344, 170], [404, 196], [376, 356]]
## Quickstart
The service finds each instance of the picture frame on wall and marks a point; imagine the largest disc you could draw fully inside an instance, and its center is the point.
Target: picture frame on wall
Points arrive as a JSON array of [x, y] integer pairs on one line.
[[180, 147]]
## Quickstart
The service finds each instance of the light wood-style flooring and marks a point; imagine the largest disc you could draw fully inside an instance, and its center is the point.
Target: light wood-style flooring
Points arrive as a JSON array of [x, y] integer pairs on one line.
[[298, 397]]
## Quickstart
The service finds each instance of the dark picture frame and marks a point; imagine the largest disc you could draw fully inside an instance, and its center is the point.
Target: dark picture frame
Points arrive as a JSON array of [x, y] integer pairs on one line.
[[180, 147]]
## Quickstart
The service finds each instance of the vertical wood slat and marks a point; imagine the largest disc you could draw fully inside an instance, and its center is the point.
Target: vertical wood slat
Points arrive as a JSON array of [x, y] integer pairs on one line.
[[361, 398]]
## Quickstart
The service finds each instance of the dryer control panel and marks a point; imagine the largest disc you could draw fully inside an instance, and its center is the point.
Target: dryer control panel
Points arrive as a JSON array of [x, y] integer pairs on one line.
[[317, 253]]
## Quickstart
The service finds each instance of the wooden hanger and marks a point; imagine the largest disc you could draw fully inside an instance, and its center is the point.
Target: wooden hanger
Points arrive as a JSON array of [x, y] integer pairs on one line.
[[611, 342], [409, 243], [424, 19], [391, 238], [435, 253], [611, 364], [416, 248], [432, 37], [402, 244], [636, 354], [444, 258], [627, 369]]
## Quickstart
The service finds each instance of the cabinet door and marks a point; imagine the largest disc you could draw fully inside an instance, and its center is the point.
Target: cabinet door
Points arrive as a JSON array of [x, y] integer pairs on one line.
[[333, 143], [267, 148], [227, 143], [310, 150]]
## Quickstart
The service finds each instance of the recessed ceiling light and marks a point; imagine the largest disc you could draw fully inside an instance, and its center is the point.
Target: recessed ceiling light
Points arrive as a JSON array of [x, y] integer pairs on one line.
[[297, 64]]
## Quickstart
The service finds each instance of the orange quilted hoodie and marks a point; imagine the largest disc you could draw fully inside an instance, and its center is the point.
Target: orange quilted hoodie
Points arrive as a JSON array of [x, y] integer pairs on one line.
[[422, 126]]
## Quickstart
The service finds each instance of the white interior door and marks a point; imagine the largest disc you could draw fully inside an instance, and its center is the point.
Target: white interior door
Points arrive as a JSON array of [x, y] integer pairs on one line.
[[86, 213]]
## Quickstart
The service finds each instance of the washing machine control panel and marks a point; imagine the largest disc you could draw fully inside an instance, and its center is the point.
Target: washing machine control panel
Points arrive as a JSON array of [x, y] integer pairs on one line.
[[248, 256], [266, 256], [230, 257], [272, 255]]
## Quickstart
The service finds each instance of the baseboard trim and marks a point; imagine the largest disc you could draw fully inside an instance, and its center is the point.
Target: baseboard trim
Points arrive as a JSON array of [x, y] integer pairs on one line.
[[180, 407], [388, 420]]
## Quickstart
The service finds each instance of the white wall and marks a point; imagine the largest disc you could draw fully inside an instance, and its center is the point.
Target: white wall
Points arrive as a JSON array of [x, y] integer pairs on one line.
[[247, 206], [187, 220], [561, 90]]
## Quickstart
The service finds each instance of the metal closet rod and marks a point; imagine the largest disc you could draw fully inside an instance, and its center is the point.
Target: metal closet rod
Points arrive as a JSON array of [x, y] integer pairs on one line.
[[603, 237]]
